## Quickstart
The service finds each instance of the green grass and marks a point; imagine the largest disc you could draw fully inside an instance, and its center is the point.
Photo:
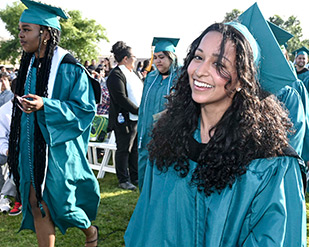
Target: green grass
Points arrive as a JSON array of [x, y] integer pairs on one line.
[[113, 217], [114, 213]]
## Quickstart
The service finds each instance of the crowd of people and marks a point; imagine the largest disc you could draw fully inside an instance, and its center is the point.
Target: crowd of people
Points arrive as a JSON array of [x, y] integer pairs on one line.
[[218, 147]]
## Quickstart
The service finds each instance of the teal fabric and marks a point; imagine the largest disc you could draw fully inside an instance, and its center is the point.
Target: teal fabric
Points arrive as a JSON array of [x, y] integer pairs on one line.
[[164, 44], [304, 77], [293, 103], [153, 102], [281, 35], [274, 70], [42, 14], [249, 37], [292, 68], [302, 50], [72, 191], [302, 91], [265, 207]]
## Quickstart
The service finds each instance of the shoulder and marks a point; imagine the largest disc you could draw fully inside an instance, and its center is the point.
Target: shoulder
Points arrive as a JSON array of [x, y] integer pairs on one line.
[[115, 73], [272, 165]]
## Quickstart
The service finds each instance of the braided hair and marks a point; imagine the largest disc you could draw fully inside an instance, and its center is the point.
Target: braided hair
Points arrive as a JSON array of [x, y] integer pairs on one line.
[[43, 70]]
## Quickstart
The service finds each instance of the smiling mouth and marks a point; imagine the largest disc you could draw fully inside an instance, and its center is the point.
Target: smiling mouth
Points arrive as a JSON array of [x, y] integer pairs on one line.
[[202, 84]]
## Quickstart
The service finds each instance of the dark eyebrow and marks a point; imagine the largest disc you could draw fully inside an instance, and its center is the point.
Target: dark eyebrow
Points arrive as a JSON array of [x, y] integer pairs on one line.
[[25, 25], [215, 55]]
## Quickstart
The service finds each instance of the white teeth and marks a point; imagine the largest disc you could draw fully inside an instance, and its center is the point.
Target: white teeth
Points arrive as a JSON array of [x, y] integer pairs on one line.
[[201, 84]]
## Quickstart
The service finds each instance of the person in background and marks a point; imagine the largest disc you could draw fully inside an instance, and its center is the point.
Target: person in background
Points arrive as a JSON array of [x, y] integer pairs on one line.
[[220, 167], [295, 98], [125, 90], [5, 88], [156, 86], [107, 66], [8, 189], [52, 114], [301, 61], [103, 107]]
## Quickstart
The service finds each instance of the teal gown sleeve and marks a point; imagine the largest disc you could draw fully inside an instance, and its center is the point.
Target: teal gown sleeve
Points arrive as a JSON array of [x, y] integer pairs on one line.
[[293, 103], [70, 113], [277, 216], [301, 89]]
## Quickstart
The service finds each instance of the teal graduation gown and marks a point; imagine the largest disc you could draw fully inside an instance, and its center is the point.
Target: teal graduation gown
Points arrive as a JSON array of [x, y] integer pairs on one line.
[[264, 207], [304, 94], [71, 190], [293, 103], [304, 77], [152, 103]]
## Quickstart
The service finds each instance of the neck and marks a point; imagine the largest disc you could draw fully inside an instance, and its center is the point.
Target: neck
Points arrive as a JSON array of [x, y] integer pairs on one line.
[[299, 68], [210, 116], [122, 63]]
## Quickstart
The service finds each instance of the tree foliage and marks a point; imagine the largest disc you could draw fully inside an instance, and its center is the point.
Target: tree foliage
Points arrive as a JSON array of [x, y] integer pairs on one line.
[[79, 36], [230, 16]]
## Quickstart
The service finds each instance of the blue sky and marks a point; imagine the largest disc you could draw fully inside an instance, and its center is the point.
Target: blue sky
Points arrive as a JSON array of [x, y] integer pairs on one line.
[[137, 21]]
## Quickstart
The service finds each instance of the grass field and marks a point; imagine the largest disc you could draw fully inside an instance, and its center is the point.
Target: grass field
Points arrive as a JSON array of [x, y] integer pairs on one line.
[[114, 213], [113, 217]]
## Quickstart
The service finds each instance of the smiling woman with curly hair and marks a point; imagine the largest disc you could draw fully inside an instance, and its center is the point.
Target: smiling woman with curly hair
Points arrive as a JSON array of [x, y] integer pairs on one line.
[[221, 172]]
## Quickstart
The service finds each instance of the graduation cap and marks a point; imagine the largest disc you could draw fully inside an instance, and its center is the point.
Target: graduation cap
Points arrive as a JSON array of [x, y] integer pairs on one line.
[[273, 69], [301, 51], [164, 44], [281, 35], [42, 14]]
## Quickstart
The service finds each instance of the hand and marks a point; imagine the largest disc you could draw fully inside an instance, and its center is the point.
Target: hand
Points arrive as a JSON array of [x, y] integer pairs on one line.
[[30, 103]]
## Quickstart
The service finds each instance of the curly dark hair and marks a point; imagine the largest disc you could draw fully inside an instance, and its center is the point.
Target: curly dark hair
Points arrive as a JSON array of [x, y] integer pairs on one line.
[[253, 126], [43, 70]]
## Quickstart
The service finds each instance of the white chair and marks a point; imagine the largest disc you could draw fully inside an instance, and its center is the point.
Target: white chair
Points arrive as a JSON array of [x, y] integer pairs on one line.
[[109, 147]]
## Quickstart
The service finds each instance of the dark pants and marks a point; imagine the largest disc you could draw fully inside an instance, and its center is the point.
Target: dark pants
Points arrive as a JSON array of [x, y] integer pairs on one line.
[[126, 156]]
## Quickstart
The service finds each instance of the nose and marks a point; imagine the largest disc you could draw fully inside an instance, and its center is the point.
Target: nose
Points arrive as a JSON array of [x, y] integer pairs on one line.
[[202, 69], [20, 34]]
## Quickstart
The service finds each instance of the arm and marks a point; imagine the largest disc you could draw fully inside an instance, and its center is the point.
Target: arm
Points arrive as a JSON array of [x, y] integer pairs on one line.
[[278, 215], [71, 110]]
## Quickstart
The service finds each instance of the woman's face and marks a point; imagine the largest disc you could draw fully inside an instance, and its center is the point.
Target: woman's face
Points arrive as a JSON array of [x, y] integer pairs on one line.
[[162, 62], [207, 85], [130, 61], [29, 37]]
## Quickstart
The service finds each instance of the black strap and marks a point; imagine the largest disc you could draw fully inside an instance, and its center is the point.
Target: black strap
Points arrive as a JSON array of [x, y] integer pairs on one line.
[[289, 151]]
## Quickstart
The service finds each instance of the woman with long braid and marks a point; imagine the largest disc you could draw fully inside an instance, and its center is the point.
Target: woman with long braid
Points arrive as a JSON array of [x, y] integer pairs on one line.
[[51, 120]]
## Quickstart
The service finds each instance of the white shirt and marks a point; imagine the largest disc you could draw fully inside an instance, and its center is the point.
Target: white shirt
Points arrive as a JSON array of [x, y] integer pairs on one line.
[[5, 123], [134, 88]]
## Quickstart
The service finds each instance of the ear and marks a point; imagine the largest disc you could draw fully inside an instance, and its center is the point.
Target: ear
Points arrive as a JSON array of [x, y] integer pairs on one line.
[[46, 35]]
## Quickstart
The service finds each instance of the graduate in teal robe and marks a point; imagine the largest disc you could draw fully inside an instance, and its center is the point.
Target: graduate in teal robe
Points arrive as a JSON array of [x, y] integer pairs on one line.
[[293, 102], [295, 98], [301, 62], [220, 169], [157, 85], [53, 110]]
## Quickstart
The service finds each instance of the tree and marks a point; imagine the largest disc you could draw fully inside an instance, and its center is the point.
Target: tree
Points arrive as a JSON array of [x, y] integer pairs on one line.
[[10, 50], [292, 25], [79, 36], [231, 16]]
